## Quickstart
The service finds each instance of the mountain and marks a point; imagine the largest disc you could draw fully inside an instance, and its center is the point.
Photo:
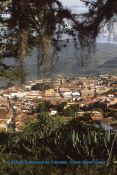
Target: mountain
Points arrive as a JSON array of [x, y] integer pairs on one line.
[[109, 66], [68, 62]]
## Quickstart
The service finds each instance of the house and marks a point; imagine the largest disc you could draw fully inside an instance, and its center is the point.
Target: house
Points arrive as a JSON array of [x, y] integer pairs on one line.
[[34, 94], [76, 96], [27, 87], [96, 116], [67, 95], [39, 97], [111, 95], [49, 92], [15, 94], [53, 112], [87, 92]]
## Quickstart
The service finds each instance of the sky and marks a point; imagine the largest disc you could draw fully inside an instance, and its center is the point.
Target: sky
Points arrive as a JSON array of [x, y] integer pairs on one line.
[[76, 6]]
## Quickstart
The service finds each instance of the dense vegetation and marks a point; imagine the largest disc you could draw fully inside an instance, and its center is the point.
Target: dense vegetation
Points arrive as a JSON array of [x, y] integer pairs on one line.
[[48, 139], [28, 23], [42, 86]]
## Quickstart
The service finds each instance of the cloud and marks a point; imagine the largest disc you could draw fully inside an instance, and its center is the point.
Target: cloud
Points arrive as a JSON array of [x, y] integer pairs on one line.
[[71, 2], [76, 6]]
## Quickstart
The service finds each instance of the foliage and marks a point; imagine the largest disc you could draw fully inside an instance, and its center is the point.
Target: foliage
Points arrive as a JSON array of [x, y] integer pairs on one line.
[[112, 114], [44, 106], [41, 23], [69, 112], [31, 23], [60, 107], [42, 86], [12, 75], [49, 139]]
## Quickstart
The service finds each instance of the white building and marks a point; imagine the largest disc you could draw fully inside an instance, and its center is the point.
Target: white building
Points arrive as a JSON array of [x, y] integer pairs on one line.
[[53, 112]]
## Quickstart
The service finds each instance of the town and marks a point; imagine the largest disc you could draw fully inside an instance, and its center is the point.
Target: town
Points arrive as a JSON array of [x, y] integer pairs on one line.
[[63, 97]]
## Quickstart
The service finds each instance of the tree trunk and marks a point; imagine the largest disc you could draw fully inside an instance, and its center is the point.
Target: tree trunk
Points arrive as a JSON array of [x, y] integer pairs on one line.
[[23, 35]]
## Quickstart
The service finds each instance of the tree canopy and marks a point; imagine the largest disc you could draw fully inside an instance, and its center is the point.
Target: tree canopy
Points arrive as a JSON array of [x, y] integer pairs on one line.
[[41, 23]]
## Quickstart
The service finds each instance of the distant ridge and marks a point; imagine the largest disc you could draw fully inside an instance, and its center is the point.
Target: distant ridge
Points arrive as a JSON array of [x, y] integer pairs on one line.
[[110, 64], [68, 62]]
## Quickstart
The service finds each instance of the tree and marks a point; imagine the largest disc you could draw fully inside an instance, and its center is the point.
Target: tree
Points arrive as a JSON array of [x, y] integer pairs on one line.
[[47, 138], [44, 106], [31, 23], [100, 12], [37, 22]]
